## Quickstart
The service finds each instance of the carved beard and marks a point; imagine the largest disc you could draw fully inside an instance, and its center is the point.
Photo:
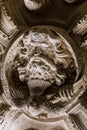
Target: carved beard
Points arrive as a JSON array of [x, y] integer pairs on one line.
[[40, 77], [40, 73]]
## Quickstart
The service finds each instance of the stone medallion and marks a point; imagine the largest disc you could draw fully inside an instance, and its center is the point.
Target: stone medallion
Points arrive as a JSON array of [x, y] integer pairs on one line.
[[43, 65], [40, 72]]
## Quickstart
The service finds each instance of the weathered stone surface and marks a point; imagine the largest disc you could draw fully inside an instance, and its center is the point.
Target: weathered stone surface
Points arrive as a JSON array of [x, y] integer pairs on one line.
[[43, 66]]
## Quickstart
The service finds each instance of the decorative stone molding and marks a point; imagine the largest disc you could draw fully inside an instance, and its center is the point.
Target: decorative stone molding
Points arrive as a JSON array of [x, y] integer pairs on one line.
[[80, 30], [84, 41], [29, 64], [79, 115], [78, 23], [81, 27], [7, 29], [43, 74], [7, 25]]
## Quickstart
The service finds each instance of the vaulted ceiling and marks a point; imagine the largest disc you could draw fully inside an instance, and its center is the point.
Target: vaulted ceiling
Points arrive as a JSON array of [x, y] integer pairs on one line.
[[58, 13], [61, 24]]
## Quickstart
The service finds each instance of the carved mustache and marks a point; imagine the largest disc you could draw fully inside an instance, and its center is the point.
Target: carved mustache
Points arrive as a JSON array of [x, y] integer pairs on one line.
[[45, 61], [38, 67], [36, 71]]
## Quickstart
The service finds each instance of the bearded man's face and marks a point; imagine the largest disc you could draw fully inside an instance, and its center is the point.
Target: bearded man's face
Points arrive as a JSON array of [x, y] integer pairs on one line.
[[42, 61]]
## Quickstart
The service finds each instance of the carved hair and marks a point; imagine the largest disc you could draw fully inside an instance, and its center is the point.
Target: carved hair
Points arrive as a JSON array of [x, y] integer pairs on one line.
[[42, 47], [61, 57]]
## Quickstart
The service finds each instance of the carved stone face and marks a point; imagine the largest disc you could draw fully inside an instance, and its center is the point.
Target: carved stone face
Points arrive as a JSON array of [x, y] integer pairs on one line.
[[42, 60]]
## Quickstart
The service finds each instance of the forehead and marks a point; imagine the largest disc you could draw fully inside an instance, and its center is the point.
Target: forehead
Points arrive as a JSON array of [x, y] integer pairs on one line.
[[41, 37]]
